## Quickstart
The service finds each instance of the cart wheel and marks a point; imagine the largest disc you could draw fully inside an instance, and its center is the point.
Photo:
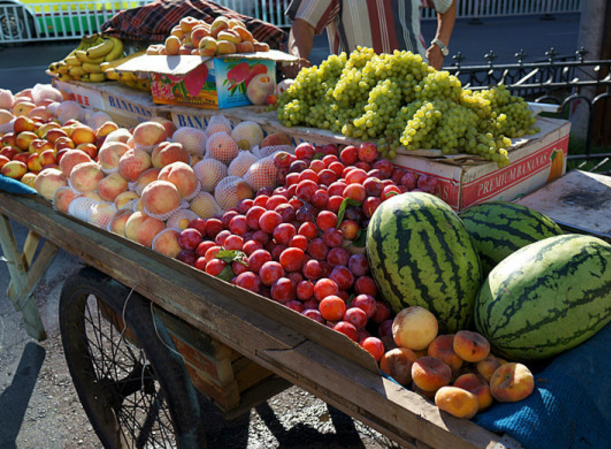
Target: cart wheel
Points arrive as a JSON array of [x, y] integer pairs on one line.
[[133, 387]]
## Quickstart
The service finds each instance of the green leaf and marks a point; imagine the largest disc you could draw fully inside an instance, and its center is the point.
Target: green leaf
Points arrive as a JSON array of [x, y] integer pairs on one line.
[[318, 156], [361, 238], [243, 88], [231, 256], [227, 274], [342, 209], [350, 299]]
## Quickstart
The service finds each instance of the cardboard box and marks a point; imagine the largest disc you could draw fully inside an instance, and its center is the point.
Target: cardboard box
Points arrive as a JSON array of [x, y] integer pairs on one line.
[[127, 107], [220, 82], [464, 180]]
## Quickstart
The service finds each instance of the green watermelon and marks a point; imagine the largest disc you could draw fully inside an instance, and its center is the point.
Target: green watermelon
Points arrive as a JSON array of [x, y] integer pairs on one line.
[[547, 297], [420, 253], [499, 229]]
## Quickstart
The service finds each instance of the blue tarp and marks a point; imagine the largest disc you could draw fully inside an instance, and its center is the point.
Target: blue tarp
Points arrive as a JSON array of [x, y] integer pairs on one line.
[[13, 186]]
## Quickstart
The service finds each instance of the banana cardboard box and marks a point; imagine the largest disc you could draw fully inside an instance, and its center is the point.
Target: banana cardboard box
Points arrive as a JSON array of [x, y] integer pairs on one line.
[[220, 82]]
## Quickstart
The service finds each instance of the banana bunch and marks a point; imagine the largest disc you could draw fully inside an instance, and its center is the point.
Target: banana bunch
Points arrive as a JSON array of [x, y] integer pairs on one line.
[[84, 63], [130, 79]]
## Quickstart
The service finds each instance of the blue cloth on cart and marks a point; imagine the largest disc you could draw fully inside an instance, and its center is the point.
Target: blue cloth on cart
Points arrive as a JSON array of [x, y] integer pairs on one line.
[[11, 185], [571, 405]]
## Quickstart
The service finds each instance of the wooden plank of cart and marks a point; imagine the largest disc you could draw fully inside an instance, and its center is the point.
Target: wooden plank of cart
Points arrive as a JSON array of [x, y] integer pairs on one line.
[[241, 348]]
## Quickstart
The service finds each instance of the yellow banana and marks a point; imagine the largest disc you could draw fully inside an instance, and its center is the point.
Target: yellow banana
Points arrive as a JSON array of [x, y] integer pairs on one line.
[[53, 68], [100, 50], [72, 60], [144, 84], [118, 62], [89, 67], [97, 77], [64, 77], [75, 71], [117, 51], [82, 55], [62, 67], [111, 74]]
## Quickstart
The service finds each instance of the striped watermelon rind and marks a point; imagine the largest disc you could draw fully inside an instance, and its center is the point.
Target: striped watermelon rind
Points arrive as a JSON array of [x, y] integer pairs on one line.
[[547, 297], [420, 253], [500, 228]]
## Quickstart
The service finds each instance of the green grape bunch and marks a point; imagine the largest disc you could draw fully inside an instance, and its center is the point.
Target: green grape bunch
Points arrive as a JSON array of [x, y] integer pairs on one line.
[[402, 102]]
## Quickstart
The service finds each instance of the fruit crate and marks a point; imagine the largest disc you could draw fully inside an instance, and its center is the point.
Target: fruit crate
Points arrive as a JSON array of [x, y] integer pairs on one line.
[[208, 310]]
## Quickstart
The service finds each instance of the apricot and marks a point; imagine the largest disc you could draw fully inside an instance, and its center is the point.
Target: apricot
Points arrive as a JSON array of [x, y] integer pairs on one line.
[[414, 328], [471, 346], [443, 348], [478, 386], [430, 373], [397, 363], [512, 382], [457, 402]]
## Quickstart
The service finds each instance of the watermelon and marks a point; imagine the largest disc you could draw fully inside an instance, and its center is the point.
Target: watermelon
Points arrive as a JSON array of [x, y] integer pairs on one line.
[[421, 254], [499, 229], [547, 297]]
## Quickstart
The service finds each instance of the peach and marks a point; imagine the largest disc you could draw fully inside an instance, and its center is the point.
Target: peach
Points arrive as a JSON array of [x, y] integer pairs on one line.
[[4, 160], [160, 197], [41, 112], [120, 135], [442, 347], [39, 145], [24, 138], [172, 45], [478, 386], [48, 181], [102, 213], [85, 176], [168, 152], [122, 199], [105, 129], [260, 87], [63, 197], [92, 195], [44, 129], [8, 140], [133, 163], [207, 46], [430, 373], [148, 134], [14, 169], [397, 363], [110, 154], [89, 148], [261, 46], [83, 134], [233, 23], [132, 223], [23, 107], [117, 222], [512, 382], [33, 162], [193, 140], [28, 179], [9, 152], [229, 35], [63, 142], [110, 186], [177, 31], [168, 125], [414, 327], [275, 139], [182, 176], [231, 190], [187, 23], [145, 178], [148, 229], [22, 157], [219, 24], [224, 47], [244, 47], [47, 157], [486, 367], [471, 346], [457, 402], [23, 123], [70, 159], [166, 243], [244, 34], [197, 34]]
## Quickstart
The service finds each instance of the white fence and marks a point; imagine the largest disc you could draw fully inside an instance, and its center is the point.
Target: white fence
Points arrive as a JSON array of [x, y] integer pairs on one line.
[[71, 20]]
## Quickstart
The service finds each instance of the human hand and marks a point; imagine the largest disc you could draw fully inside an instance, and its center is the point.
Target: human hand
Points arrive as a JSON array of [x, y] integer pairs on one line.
[[434, 56], [291, 71]]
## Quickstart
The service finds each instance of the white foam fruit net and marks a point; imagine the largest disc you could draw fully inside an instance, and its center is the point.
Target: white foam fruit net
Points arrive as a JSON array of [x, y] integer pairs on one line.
[[218, 123], [271, 149], [192, 139], [181, 219], [69, 110], [102, 213], [42, 92], [8, 127], [240, 165], [226, 191], [81, 207], [209, 172], [204, 205], [247, 135], [221, 146], [64, 195], [262, 173]]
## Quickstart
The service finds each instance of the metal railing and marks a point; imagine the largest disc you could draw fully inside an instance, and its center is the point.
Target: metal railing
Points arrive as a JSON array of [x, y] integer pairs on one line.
[[71, 20], [581, 88]]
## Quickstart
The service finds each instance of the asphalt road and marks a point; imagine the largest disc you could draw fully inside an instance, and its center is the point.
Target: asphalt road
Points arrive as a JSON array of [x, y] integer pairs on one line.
[[24, 66]]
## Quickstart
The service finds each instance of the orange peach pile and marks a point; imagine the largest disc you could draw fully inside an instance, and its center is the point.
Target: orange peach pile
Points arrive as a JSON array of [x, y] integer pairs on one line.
[[456, 371], [223, 36]]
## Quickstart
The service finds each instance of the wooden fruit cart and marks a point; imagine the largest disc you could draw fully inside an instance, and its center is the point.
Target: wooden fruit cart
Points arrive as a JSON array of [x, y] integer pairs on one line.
[[143, 332]]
